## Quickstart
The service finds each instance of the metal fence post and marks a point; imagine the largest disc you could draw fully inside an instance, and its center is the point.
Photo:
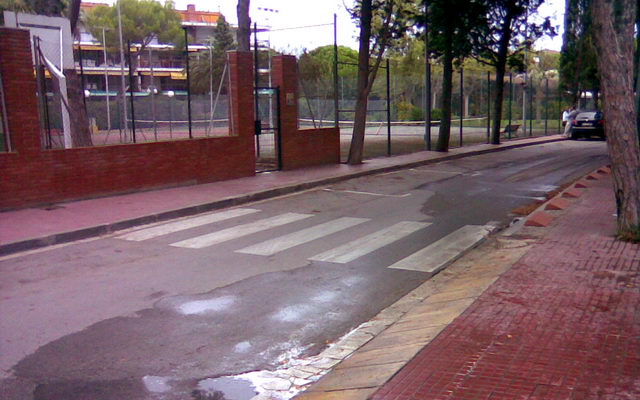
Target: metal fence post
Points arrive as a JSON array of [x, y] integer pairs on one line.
[[546, 104], [186, 54], [510, 102], [133, 111], [461, 101], [388, 109], [488, 107]]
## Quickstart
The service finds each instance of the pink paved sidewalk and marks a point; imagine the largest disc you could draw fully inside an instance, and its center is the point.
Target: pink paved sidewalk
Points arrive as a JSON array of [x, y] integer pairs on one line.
[[562, 323], [34, 223]]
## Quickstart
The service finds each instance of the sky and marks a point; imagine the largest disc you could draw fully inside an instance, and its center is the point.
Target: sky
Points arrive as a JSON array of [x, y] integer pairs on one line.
[[288, 14]]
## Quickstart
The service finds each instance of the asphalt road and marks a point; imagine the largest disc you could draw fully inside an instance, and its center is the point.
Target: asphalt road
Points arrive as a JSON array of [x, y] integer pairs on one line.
[[243, 289]]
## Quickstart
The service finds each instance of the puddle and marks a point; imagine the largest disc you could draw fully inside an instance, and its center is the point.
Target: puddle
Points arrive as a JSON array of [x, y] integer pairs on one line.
[[224, 388], [203, 306], [324, 297], [156, 384], [293, 313], [242, 347]]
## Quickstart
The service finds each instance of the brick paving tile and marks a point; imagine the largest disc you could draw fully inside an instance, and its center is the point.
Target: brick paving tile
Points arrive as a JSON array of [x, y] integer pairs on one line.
[[562, 323]]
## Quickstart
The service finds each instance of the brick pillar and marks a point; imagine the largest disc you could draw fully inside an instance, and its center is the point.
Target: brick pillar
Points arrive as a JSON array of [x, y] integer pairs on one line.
[[241, 110], [285, 75], [19, 86]]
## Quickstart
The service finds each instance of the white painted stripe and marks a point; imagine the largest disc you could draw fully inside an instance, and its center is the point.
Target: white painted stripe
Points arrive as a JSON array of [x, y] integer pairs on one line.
[[367, 244], [290, 240], [239, 231], [446, 250], [367, 193], [164, 229]]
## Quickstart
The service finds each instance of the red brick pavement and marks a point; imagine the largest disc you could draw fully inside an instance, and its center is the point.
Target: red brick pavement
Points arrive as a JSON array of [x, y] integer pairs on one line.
[[563, 323]]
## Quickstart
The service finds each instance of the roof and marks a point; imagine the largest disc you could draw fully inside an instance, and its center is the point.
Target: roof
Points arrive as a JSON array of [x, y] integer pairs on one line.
[[190, 16]]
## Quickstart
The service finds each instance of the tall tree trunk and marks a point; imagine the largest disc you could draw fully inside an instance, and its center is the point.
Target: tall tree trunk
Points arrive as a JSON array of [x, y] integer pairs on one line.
[[243, 35], [80, 132], [360, 117], [501, 65], [637, 67], [444, 132], [613, 23]]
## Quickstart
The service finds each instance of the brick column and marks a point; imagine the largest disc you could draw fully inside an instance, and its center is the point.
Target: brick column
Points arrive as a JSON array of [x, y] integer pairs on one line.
[[19, 86], [241, 105], [285, 75]]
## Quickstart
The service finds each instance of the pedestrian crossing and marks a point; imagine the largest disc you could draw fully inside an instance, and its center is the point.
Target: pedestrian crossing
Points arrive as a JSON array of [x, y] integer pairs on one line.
[[429, 259], [370, 243]]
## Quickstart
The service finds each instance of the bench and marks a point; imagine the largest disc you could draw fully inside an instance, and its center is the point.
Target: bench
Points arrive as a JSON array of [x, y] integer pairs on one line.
[[510, 129]]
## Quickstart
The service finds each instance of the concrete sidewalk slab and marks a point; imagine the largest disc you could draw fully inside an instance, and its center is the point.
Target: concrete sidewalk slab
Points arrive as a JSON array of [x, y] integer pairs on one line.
[[32, 228]]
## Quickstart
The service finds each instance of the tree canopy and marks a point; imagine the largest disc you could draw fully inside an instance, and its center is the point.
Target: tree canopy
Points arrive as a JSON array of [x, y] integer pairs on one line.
[[142, 22], [207, 69]]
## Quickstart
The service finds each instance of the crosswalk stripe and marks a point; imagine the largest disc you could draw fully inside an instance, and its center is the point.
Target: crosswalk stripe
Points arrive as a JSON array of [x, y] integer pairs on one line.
[[359, 247], [444, 251], [239, 231], [160, 230], [290, 240]]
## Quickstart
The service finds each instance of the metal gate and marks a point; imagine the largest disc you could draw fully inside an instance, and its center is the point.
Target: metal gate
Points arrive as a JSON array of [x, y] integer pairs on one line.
[[268, 146]]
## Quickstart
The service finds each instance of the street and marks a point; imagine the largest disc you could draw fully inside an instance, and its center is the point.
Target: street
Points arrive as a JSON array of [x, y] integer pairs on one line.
[[167, 306]]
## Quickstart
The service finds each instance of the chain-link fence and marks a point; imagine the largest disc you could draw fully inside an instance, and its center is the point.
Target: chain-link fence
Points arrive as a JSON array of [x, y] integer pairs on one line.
[[530, 107], [151, 114]]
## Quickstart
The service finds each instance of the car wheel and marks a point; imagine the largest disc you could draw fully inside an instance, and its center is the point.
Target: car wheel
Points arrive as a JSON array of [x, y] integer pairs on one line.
[[574, 135]]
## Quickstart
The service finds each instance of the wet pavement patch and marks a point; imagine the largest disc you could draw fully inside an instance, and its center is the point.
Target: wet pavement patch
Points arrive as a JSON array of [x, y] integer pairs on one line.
[[224, 388]]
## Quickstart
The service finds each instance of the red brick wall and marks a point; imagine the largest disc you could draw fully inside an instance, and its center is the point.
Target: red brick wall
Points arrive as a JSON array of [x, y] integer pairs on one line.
[[31, 175], [306, 147]]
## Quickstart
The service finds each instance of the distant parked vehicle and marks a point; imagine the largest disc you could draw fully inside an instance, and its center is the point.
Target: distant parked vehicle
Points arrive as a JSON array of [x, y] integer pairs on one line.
[[588, 123]]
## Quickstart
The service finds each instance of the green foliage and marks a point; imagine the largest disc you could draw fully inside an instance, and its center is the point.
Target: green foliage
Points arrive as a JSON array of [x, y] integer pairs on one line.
[[142, 22], [409, 112], [317, 64], [512, 17], [436, 114], [207, 66], [54, 8], [578, 60]]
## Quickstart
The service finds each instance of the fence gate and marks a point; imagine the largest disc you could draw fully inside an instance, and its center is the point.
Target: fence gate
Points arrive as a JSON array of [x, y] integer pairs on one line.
[[268, 154]]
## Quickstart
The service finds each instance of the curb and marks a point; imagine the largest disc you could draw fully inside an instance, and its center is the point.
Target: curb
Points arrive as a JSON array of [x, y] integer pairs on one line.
[[103, 229]]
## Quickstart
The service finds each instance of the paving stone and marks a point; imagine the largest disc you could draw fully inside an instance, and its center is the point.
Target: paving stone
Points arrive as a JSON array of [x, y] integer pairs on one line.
[[325, 363], [557, 203], [353, 394], [357, 378], [539, 219], [451, 295], [572, 193], [592, 177], [397, 337], [381, 356], [581, 184], [277, 384], [336, 352]]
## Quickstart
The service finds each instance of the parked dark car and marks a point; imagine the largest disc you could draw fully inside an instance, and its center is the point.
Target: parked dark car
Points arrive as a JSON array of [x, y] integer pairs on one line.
[[588, 123]]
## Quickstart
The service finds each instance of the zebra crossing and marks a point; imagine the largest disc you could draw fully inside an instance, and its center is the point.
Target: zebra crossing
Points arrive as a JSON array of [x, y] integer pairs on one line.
[[429, 259]]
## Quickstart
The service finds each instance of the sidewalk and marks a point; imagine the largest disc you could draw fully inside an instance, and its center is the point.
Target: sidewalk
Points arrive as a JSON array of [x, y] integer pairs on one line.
[[31, 228], [548, 313]]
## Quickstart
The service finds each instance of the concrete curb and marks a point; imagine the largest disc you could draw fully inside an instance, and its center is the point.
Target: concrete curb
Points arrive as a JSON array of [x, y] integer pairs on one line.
[[103, 229]]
